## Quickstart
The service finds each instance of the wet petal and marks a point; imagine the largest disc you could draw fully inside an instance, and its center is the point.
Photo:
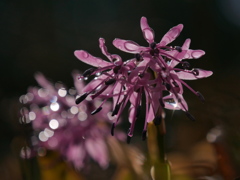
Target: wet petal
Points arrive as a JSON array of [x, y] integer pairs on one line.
[[104, 48], [188, 75], [171, 35], [78, 84], [148, 33], [87, 58], [127, 46]]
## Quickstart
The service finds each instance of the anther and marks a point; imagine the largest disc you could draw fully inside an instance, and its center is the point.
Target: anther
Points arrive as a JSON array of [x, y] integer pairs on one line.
[[116, 109], [175, 84], [178, 48], [168, 86], [140, 75], [112, 129], [110, 81], [138, 57], [96, 111], [186, 65], [116, 69], [106, 70], [144, 135], [153, 45], [161, 102], [88, 72], [200, 96], [195, 72], [81, 98], [191, 117]]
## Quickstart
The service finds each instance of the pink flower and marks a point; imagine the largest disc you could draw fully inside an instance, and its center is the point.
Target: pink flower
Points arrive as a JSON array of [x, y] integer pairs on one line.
[[163, 59], [59, 124], [153, 71]]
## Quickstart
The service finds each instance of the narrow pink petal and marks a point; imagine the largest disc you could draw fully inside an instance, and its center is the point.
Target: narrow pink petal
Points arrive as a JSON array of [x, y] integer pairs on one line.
[[104, 48], [171, 35], [127, 46], [188, 75], [87, 58], [148, 33], [186, 44], [42, 81], [78, 84], [191, 54]]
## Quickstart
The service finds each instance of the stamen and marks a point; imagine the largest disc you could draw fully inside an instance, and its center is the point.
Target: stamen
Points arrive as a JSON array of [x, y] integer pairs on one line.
[[106, 70], [110, 81], [191, 117], [99, 92], [88, 72], [116, 69], [175, 84], [161, 102], [140, 75], [96, 110], [186, 65], [153, 45], [138, 111], [81, 98], [144, 135], [200, 96], [138, 57], [178, 48], [112, 129], [116, 109], [168, 86]]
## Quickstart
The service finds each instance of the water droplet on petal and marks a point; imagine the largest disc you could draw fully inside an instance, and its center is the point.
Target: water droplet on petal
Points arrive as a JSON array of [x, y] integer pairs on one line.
[[131, 46], [84, 54]]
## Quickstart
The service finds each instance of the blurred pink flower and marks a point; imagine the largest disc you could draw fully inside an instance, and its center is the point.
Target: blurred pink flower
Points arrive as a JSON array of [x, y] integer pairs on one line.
[[59, 124]]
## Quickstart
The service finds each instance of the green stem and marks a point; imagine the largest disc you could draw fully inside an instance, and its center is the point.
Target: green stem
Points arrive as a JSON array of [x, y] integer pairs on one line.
[[160, 169]]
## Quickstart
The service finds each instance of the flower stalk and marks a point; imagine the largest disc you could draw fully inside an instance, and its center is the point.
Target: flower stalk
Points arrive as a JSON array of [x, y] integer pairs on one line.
[[160, 169]]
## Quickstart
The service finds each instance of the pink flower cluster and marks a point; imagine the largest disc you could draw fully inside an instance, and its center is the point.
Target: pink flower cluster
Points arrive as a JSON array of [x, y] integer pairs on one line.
[[61, 125], [154, 69]]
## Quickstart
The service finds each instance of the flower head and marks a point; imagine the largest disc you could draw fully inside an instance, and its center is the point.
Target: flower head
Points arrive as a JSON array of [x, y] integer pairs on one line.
[[59, 124], [153, 70]]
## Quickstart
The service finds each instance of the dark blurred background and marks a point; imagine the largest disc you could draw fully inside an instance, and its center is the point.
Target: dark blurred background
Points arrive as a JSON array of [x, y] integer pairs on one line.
[[41, 35]]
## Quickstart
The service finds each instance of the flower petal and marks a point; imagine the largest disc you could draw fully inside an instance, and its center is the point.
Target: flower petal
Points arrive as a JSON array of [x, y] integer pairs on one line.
[[127, 46], [171, 35], [87, 58], [189, 75], [104, 48], [148, 33], [98, 151]]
